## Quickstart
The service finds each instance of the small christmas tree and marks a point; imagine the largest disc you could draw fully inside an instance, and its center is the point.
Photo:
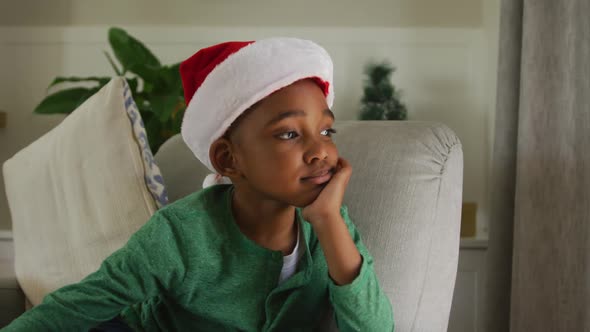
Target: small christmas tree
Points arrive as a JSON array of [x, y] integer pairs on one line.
[[381, 101]]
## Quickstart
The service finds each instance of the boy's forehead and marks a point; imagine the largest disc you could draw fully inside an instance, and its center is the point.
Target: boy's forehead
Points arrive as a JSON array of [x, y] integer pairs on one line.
[[299, 99], [277, 115]]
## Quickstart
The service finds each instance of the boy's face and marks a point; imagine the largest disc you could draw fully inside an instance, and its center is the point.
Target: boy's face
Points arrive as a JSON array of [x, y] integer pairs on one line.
[[283, 148]]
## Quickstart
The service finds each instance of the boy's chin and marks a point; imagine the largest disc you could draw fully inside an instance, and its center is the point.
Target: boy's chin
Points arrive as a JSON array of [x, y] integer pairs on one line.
[[306, 198]]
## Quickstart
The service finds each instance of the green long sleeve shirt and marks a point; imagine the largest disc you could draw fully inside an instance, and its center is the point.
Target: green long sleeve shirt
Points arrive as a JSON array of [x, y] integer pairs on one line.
[[190, 268]]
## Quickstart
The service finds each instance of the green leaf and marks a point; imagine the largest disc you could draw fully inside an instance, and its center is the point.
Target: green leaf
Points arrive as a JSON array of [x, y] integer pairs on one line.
[[164, 105], [177, 120], [64, 101], [133, 83], [163, 80], [60, 79], [147, 117], [153, 129], [130, 51], [171, 76], [146, 72]]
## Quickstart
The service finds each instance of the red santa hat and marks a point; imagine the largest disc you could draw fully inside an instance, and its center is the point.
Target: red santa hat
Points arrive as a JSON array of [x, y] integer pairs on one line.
[[222, 81]]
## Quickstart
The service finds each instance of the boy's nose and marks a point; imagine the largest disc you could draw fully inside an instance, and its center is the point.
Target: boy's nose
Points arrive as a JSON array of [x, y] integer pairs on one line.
[[316, 150]]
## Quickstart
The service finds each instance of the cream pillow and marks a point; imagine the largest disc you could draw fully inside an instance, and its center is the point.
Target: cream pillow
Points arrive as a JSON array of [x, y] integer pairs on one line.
[[78, 193]]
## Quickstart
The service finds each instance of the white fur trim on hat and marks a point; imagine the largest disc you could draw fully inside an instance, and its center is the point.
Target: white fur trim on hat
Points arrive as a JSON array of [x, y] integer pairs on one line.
[[245, 77], [214, 178]]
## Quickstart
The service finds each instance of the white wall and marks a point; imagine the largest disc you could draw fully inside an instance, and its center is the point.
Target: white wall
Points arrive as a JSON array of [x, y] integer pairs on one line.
[[236, 13], [447, 74]]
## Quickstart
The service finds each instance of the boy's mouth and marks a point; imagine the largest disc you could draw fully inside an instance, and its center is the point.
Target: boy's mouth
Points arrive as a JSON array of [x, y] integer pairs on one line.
[[322, 176]]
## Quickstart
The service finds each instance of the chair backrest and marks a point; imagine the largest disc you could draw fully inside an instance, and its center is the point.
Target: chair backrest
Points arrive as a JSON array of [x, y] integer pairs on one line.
[[405, 199]]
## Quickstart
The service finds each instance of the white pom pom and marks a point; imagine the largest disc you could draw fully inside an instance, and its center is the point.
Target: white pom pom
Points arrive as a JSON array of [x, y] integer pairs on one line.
[[213, 179]]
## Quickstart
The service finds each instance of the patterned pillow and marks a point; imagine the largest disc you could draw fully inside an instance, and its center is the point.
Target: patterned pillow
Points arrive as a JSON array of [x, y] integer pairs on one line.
[[80, 191], [153, 176]]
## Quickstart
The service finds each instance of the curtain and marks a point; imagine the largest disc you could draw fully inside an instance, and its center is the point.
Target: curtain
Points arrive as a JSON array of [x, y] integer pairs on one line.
[[539, 245]]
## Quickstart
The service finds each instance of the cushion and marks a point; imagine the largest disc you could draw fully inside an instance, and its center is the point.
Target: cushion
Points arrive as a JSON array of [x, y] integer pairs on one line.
[[78, 193]]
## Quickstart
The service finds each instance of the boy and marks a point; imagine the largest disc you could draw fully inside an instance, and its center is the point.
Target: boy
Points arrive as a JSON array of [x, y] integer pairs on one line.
[[269, 252]]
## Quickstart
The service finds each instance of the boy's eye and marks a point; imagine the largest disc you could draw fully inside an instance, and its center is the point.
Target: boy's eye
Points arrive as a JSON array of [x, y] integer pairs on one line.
[[293, 134], [288, 135], [328, 132]]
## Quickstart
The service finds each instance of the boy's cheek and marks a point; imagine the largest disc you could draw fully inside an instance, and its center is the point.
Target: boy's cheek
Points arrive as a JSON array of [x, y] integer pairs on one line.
[[335, 150]]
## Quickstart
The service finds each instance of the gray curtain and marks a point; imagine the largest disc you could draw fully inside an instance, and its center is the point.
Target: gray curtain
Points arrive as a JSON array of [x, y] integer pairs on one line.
[[539, 248]]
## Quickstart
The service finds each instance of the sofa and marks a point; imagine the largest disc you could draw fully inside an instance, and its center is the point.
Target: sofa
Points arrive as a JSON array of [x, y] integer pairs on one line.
[[404, 196]]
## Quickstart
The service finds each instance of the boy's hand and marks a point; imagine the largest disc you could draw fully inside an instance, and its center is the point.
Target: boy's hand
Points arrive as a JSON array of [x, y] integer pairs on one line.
[[342, 256], [328, 203]]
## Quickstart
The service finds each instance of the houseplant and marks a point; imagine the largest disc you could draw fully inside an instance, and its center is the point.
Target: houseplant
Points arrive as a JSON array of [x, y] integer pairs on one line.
[[381, 100], [156, 88]]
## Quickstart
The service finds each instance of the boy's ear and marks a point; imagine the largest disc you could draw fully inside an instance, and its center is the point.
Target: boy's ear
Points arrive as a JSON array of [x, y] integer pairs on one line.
[[221, 154]]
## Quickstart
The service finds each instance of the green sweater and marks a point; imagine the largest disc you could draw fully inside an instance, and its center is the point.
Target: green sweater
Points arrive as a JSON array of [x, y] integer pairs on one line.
[[190, 268]]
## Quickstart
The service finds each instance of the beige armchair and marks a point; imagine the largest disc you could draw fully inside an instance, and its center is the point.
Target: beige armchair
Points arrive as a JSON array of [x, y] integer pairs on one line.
[[404, 197]]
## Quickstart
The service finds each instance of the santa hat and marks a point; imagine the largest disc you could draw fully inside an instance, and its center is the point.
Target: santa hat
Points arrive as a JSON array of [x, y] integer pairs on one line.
[[222, 81]]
